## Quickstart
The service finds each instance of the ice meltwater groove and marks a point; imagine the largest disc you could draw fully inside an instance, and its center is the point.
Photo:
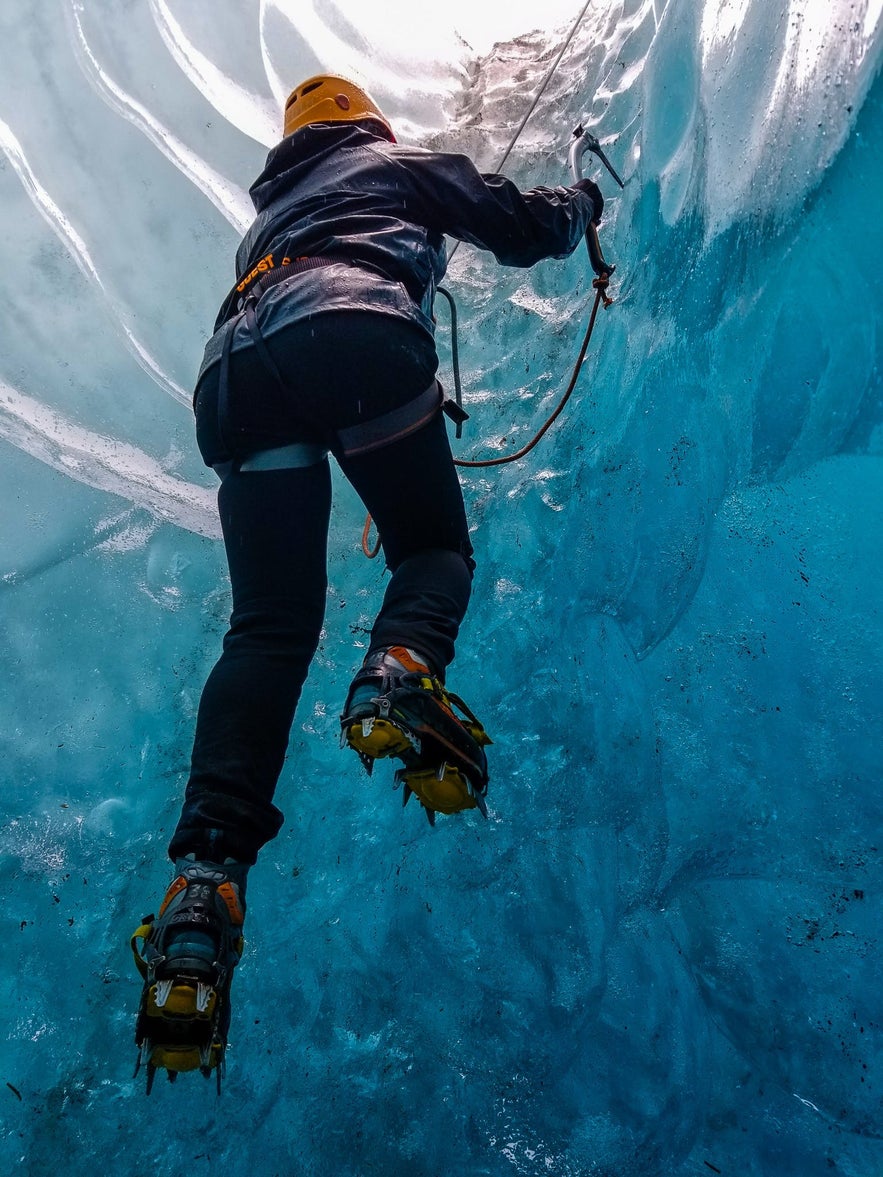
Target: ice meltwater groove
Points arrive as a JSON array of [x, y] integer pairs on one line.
[[660, 955]]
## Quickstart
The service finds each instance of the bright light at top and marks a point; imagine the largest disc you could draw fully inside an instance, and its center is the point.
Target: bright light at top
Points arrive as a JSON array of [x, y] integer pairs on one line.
[[400, 27]]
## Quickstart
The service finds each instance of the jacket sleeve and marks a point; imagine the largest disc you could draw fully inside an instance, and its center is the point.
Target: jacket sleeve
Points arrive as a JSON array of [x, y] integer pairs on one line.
[[489, 211]]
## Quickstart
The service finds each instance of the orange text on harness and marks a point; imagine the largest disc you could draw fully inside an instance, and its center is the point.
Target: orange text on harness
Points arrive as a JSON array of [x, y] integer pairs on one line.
[[266, 263]]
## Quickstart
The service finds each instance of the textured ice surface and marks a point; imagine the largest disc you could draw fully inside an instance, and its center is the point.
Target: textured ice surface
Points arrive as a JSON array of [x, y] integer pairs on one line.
[[661, 953]]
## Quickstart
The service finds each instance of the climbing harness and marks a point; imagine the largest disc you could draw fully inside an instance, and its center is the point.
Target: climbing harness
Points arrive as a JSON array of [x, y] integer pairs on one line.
[[251, 288], [357, 439], [381, 431], [396, 707]]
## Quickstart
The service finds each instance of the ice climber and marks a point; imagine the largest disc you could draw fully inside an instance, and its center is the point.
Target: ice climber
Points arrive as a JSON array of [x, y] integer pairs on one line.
[[325, 345]]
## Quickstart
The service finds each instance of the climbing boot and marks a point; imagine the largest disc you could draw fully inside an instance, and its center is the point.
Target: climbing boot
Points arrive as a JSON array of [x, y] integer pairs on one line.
[[186, 956], [397, 707]]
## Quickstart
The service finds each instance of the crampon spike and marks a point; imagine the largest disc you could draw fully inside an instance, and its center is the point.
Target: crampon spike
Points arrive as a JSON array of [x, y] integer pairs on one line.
[[203, 996], [163, 990], [145, 1050]]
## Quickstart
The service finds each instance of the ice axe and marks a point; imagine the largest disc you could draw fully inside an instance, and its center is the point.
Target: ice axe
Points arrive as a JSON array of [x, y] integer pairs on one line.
[[584, 141]]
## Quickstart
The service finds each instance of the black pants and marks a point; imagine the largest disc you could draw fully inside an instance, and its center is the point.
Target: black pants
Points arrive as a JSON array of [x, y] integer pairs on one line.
[[341, 369]]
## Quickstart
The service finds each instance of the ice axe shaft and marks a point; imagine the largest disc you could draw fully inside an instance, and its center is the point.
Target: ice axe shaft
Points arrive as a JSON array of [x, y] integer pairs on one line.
[[584, 141]]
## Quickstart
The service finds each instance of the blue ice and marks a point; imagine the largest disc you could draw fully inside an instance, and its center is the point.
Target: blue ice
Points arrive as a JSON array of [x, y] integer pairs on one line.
[[660, 955]]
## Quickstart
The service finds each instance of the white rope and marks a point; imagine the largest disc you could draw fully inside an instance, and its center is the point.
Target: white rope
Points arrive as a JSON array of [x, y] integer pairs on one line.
[[549, 74], [544, 83]]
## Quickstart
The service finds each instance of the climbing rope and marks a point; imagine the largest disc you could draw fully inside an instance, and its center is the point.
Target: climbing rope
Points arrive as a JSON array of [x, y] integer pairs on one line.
[[599, 284], [600, 287], [544, 84]]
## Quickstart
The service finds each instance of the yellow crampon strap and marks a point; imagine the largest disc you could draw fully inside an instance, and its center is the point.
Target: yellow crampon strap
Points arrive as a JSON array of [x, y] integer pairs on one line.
[[140, 933]]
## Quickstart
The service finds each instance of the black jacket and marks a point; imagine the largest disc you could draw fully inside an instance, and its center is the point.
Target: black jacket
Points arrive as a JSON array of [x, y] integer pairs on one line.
[[337, 190]]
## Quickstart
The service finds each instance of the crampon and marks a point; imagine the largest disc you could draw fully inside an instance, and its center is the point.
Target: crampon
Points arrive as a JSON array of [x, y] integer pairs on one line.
[[398, 708], [186, 957]]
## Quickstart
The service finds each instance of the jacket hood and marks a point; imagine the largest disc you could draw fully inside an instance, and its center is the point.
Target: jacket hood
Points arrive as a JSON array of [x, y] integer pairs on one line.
[[289, 161]]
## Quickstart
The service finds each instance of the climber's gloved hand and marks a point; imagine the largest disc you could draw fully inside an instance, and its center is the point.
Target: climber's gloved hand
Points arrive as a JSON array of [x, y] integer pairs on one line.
[[592, 189]]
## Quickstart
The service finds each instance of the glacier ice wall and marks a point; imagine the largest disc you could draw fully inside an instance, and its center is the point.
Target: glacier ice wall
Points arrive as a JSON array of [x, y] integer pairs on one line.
[[661, 954]]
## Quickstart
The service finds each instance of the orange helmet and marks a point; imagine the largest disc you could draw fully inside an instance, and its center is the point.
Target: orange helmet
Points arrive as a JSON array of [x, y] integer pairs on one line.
[[327, 99]]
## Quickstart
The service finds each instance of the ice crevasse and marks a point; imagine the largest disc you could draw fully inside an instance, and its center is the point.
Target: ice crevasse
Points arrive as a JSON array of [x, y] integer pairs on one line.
[[660, 955]]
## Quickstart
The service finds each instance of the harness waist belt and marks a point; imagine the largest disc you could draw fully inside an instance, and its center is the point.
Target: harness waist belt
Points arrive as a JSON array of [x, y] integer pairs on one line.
[[285, 270], [392, 426], [354, 440]]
